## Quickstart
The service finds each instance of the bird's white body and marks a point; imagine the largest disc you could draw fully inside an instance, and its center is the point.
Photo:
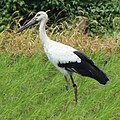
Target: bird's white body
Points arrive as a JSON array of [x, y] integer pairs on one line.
[[58, 52]]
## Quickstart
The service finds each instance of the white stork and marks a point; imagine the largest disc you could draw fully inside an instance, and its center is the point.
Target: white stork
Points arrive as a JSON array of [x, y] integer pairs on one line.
[[65, 58]]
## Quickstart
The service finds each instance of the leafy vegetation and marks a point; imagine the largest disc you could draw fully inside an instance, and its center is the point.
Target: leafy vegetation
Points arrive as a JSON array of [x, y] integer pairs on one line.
[[100, 14]]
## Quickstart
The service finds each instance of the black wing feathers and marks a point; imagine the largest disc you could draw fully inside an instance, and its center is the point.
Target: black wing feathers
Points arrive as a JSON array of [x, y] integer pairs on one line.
[[85, 68], [83, 57]]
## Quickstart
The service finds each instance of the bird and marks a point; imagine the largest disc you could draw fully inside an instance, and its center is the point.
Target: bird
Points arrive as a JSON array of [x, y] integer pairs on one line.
[[66, 59]]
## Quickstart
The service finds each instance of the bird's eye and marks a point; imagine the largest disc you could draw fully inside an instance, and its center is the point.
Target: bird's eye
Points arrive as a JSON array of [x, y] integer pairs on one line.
[[38, 15]]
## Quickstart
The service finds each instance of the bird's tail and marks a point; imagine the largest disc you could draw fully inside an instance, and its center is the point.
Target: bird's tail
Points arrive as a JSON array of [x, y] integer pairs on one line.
[[98, 75]]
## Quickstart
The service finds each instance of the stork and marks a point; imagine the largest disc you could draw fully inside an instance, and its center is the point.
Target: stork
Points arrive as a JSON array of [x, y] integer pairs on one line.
[[65, 58]]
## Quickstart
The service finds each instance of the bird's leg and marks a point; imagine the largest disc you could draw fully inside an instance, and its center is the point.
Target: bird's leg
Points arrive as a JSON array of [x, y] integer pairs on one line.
[[67, 88], [66, 85], [75, 88]]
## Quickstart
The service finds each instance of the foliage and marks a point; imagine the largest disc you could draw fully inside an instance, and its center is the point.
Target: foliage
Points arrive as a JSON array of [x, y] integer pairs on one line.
[[116, 23], [103, 11]]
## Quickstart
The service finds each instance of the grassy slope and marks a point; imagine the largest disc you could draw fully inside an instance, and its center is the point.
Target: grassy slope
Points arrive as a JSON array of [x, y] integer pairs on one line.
[[32, 89]]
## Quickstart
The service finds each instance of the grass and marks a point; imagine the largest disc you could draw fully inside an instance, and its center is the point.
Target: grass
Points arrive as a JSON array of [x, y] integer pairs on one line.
[[32, 89]]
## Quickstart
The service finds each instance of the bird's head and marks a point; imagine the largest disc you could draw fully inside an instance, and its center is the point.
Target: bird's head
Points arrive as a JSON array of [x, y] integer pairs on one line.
[[40, 16], [36, 19]]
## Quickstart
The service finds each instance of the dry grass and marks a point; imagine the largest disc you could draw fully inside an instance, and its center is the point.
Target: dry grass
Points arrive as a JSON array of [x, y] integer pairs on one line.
[[28, 41], [25, 43], [85, 43]]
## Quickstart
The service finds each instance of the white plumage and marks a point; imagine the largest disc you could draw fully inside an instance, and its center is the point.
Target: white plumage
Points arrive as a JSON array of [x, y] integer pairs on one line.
[[65, 58], [58, 52]]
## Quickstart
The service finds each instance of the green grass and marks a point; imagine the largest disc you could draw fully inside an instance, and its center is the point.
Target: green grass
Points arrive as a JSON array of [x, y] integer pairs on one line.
[[32, 89]]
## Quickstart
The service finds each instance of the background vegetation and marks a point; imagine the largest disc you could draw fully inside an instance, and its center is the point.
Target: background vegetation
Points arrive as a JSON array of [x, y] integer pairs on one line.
[[30, 86], [103, 15]]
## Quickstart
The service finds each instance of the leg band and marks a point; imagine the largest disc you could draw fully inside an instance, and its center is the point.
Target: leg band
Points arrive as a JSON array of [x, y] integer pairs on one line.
[[66, 87]]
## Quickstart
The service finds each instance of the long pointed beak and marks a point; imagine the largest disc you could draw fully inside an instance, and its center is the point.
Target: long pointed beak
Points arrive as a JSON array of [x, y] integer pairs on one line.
[[30, 23]]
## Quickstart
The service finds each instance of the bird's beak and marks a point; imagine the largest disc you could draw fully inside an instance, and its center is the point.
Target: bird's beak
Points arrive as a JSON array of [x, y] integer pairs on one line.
[[30, 23]]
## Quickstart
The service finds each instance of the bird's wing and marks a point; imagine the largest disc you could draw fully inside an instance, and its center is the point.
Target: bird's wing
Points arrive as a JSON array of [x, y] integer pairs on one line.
[[86, 68], [76, 66]]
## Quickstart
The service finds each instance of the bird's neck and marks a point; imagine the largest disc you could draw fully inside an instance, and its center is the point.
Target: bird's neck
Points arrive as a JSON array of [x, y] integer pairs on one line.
[[42, 33]]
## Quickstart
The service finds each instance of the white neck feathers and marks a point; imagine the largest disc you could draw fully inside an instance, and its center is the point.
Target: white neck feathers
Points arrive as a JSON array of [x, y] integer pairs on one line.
[[42, 33]]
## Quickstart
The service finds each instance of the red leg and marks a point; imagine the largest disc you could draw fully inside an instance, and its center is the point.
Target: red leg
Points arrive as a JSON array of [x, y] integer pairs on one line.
[[75, 88]]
